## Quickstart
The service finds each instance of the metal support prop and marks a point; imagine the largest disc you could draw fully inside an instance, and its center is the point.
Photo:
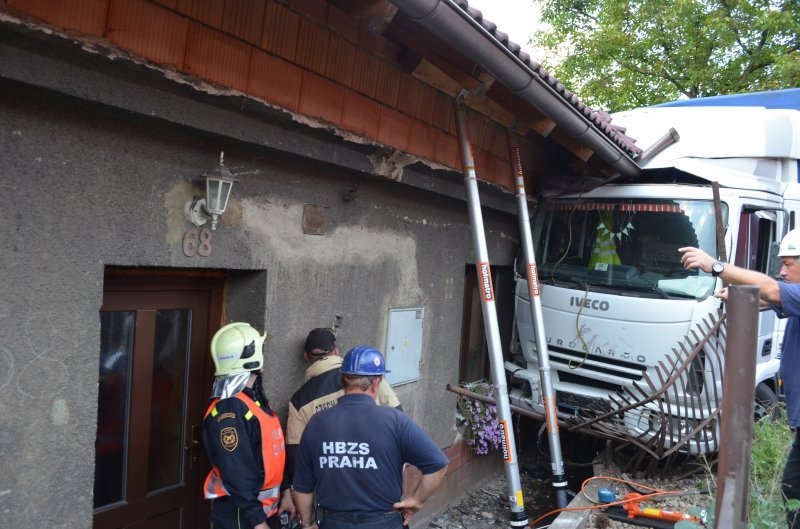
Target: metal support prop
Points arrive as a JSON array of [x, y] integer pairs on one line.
[[733, 465], [509, 451], [534, 295]]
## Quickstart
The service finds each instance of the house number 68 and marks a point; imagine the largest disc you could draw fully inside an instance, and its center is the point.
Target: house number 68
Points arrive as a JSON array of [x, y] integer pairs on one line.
[[197, 242]]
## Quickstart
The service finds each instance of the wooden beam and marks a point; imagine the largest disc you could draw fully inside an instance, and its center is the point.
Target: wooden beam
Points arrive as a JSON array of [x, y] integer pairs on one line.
[[491, 109], [382, 17], [572, 145], [543, 126], [433, 76], [375, 15], [435, 51], [487, 80]]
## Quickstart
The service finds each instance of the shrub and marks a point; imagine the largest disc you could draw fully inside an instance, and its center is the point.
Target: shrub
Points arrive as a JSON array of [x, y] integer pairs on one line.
[[772, 440], [771, 443]]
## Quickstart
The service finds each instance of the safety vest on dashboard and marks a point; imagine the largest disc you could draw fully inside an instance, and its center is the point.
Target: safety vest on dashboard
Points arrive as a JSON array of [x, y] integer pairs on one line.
[[605, 249]]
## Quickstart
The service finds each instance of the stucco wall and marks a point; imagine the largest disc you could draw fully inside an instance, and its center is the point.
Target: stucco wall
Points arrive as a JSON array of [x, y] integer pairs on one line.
[[87, 186]]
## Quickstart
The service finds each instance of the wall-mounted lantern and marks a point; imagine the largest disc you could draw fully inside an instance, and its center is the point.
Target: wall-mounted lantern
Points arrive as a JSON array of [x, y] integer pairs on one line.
[[219, 182]]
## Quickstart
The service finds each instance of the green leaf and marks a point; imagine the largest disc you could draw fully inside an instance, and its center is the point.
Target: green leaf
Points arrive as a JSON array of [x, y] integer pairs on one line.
[[619, 54]]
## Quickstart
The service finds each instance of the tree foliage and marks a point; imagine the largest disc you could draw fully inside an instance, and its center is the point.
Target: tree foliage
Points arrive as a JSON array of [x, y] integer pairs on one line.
[[619, 54]]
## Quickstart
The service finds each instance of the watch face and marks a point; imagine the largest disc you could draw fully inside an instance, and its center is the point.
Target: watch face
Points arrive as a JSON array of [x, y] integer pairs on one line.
[[717, 267]]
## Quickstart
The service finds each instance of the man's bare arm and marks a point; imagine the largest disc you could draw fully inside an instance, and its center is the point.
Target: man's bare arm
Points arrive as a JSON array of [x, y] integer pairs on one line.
[[304, 502], [426, 486], [769, 290]]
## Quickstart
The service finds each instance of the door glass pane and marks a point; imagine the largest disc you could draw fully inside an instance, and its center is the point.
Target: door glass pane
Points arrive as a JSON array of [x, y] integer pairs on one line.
[[116, 345], [172, 341]]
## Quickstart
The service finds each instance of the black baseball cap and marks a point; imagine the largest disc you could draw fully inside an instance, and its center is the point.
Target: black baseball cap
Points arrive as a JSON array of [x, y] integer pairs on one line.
[[322, 339]]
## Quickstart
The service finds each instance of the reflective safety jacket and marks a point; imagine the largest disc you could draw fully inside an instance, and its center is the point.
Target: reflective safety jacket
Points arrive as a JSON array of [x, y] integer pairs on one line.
[[230, 437], [604, 251]]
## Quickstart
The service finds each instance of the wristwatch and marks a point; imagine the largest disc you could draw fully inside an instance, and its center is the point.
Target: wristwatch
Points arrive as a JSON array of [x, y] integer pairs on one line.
[[717, 268]]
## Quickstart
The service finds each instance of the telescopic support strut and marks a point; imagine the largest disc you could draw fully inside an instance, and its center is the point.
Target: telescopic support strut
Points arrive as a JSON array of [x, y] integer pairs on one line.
[[534, 295], [509, 451]]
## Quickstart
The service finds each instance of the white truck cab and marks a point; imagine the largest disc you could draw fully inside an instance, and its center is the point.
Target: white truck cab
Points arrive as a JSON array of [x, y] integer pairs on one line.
[[615, 297]]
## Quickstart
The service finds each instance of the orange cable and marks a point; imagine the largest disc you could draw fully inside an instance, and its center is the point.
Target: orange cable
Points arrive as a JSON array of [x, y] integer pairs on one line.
[[653, 494]]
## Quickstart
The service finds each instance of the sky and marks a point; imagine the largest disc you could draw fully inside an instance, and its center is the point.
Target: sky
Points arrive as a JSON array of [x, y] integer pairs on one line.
[[518, 18]]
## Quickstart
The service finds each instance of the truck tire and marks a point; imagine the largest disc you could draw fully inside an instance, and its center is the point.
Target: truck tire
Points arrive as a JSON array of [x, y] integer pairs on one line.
[[766, 403]]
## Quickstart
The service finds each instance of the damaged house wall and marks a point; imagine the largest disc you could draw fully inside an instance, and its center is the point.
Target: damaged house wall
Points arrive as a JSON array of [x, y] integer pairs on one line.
[[91, 185], [110, 112]]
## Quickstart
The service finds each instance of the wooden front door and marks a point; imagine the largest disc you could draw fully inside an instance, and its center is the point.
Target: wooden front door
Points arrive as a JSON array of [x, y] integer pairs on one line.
[[153, 385]]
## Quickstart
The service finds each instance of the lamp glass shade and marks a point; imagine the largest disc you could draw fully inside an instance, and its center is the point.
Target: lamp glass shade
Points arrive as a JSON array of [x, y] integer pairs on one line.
[[218, 189]]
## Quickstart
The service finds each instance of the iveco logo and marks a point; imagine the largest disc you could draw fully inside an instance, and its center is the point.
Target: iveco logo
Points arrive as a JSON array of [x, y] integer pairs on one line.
[[595, 304]]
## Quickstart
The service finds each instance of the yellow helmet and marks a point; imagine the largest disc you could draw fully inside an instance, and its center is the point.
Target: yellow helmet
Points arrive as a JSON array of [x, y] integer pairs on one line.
[[237, 348]]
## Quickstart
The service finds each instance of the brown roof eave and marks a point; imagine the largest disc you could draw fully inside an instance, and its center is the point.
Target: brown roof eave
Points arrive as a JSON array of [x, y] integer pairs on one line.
[[537, 88]]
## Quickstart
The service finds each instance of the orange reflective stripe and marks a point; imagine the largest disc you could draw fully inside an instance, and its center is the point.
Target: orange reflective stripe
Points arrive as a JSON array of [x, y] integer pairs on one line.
[[213, 487], [272, 454]]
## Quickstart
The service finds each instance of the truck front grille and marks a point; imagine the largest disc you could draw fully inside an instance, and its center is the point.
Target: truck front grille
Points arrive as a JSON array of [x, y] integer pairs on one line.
[[593, 370]]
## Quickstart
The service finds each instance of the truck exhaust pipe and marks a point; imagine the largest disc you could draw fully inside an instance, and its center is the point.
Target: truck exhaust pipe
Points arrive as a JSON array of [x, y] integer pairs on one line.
[[508, 445], [534, 294], [662, 143]]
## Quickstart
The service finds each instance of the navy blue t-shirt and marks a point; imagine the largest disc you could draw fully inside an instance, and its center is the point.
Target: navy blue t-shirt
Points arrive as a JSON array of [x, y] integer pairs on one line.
[[353, 453], [790, 350]]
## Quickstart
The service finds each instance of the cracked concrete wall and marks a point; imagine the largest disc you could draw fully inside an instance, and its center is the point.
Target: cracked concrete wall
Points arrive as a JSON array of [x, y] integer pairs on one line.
[[86, 187]]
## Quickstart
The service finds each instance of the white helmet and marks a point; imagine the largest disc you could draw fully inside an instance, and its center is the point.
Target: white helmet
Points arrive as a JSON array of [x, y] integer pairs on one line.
[[237, 348], [790, 245]]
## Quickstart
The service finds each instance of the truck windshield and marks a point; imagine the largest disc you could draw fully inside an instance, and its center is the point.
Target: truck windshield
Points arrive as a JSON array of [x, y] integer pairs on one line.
[[630, 246]]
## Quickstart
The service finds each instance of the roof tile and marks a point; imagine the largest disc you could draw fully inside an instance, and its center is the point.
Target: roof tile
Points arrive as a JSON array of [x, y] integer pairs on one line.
[[621, 140]]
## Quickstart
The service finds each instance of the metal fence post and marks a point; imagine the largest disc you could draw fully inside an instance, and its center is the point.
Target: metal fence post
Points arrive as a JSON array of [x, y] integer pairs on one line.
[[738, 396]]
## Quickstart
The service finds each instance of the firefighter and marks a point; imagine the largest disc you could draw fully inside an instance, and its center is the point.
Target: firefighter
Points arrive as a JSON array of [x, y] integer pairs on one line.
[[242, 435], [352, 456], [321, 390]]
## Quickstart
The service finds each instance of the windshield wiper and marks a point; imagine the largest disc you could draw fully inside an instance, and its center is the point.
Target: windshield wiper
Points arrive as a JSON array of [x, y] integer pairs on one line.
[[652, 288], [580, 282]]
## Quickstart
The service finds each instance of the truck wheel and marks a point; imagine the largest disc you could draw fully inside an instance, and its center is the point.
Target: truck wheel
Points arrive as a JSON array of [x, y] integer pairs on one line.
[[766, 403]]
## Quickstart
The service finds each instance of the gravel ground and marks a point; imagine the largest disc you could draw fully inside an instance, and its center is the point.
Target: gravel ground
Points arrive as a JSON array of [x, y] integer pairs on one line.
[[486, 505], [694, 502]]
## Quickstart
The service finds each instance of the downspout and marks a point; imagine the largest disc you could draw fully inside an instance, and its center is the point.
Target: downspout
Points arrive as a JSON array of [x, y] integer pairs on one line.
[[451, 24]]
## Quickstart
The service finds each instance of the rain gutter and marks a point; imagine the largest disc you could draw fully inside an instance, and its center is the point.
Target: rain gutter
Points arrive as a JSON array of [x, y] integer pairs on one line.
[[446, 20]]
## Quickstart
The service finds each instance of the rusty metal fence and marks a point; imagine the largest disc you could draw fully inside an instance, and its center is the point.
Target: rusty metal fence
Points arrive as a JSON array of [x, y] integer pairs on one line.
[[674, 411]]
